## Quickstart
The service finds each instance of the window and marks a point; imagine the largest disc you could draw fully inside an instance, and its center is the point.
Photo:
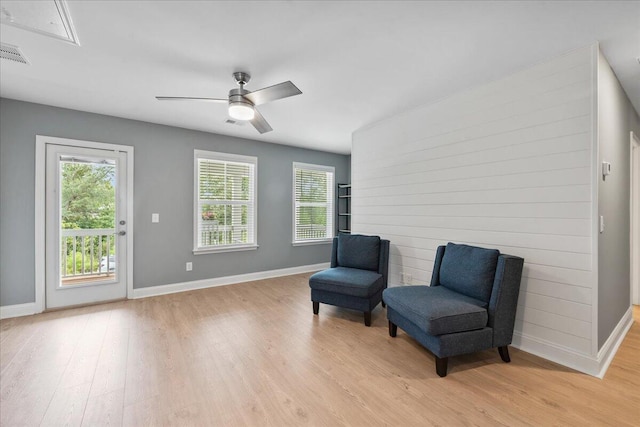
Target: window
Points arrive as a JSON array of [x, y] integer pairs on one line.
[[312, 203], [225, 202]]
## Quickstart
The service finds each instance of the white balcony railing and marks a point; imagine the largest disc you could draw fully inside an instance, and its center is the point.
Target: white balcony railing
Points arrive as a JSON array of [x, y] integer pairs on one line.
[[311, 231], [87, 252], [212, 233]]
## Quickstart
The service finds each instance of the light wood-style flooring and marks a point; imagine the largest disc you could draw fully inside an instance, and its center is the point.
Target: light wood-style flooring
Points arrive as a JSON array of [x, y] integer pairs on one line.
[[254, 354]]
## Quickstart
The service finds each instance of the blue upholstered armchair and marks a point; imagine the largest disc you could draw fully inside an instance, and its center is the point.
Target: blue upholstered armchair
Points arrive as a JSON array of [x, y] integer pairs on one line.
[[470, 305], [357, 277]]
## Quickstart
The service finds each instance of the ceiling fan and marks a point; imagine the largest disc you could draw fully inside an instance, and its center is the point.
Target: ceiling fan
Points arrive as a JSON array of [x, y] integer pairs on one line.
[[242, 103]]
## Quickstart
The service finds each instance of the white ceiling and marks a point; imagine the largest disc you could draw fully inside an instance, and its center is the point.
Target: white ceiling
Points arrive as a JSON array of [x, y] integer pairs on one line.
[[355, 62]]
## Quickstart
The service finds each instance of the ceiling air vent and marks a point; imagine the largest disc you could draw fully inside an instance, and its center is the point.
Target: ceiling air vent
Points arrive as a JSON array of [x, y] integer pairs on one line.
[[12, 53]]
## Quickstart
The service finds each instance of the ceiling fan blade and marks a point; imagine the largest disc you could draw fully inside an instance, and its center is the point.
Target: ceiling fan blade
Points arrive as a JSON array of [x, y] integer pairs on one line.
[[188, 98], [272, 93], [260, 123]]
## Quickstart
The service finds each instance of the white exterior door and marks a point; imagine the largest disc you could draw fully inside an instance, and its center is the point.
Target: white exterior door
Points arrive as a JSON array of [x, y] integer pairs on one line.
[[85, 225]]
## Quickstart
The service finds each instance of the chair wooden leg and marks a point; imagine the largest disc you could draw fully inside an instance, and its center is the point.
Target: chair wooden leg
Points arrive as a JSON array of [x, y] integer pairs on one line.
[[367, 318], [316, 307], [441, 366], [393, 329], [504, 354]]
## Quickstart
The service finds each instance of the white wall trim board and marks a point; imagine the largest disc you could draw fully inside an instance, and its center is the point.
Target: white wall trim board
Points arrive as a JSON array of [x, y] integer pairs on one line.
[[634, 207], [18, 310], [40, 219], [595, 210], [173, 288], [593, 365], [610, 347]]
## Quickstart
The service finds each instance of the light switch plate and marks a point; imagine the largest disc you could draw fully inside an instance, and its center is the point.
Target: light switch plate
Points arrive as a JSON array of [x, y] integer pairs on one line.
[[155, 217], [606, 169]]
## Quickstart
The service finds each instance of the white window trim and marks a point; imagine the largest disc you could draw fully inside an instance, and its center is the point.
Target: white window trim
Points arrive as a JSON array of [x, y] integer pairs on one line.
[[313, 242], [309, 166], [213, 155]]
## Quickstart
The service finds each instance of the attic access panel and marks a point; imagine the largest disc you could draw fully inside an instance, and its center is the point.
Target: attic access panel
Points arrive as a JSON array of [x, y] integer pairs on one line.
[[48, 17]]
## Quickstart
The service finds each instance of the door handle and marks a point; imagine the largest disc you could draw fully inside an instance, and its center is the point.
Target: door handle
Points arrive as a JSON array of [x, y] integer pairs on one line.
[[122, 233]]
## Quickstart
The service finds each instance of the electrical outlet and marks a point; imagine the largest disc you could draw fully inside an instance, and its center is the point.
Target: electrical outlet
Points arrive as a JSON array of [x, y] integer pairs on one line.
[[189, 266], [405, 278]]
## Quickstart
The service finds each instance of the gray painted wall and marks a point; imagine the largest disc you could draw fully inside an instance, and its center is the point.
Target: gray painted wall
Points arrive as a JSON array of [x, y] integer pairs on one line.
[[163, 183], [616, 118]]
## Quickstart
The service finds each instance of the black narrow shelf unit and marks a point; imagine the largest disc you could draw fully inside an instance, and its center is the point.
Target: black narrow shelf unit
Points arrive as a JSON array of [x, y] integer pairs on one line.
[[344, 208]]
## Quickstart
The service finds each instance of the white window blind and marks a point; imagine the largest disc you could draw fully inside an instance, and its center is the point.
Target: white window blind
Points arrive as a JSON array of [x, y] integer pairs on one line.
[[313, 188], [225, 202]]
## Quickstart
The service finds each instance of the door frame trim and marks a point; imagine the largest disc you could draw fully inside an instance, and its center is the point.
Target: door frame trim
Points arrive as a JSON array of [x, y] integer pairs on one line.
[[40, 209], [634, 205]]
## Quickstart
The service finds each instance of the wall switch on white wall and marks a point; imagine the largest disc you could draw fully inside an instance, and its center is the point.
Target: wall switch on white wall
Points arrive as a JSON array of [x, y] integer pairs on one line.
[[601, 224], [189, 266], [155, 217], [606, 169]]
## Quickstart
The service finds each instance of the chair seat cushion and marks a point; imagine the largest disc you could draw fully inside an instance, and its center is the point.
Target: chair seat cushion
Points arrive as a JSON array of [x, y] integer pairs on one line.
[[437, 310], [347, 281]]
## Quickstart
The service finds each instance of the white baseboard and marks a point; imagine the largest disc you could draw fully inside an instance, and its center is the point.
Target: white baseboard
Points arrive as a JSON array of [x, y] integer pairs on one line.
[[17, 310], [561, 355], [222, 281], [588, 364], [610, 347], [29, 308]]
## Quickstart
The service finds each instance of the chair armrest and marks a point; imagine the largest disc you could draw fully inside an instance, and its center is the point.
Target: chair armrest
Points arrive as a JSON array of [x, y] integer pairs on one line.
[[334, 253], [435, 275], [383, 261], [504, 298]]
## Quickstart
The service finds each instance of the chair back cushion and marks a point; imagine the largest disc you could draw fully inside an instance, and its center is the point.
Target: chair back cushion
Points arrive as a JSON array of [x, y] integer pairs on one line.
[[469, 270], [358, 251]]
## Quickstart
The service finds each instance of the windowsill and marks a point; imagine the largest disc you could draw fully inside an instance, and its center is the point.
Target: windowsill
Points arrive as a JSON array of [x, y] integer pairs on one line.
[[312, 242], [218, 249]]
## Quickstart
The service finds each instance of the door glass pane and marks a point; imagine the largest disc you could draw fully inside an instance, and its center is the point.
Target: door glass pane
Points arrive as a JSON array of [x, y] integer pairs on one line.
[[88, 244]]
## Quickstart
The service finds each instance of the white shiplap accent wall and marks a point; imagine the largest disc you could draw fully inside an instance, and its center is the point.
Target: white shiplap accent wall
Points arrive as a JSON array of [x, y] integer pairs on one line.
[[508, 165]]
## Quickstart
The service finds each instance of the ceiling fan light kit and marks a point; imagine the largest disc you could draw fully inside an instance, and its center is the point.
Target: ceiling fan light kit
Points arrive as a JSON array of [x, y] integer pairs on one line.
[[240, 110], [242, 103]]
